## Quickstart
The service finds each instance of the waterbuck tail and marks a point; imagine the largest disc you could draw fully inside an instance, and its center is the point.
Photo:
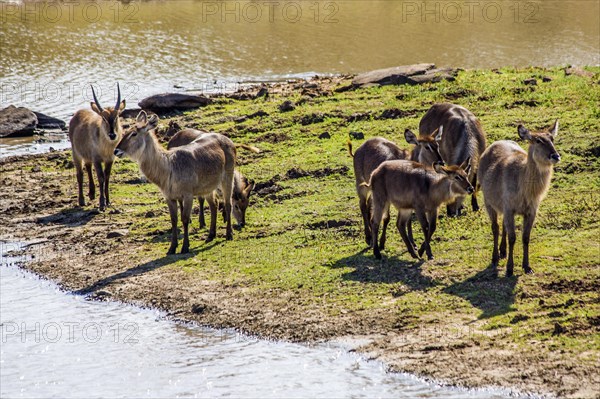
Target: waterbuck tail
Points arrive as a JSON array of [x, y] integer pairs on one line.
[[350, 148]]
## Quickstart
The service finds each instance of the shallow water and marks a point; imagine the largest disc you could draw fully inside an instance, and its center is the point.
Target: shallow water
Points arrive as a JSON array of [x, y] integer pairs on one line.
[[56, 344], [52, 51]]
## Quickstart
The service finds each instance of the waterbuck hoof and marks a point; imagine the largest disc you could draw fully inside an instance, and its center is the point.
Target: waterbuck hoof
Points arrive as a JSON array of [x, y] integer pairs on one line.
[[209, 238], [81, 202], [171, 251], [378, 256], [229, 237], [528, 270], [415, 256], [509, 273], [430, 257], [421, 251], [185, 250], [92, 196]]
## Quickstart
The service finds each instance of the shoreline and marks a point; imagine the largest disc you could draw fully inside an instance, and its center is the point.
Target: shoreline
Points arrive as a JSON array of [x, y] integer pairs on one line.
[[300, 278]]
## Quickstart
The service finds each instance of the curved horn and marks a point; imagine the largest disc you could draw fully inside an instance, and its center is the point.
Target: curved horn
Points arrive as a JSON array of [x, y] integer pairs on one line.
[[118, 97], [96, 99]]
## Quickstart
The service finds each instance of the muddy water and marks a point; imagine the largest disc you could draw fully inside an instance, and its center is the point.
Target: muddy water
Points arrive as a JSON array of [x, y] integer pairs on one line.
[[51, 51], [56, 344]]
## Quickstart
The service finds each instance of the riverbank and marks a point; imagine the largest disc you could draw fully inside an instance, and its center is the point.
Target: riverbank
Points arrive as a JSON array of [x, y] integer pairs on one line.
[[299, 270]]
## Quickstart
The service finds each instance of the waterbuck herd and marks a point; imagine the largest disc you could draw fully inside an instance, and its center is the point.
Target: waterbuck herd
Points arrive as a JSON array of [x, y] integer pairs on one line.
[[449, 160]]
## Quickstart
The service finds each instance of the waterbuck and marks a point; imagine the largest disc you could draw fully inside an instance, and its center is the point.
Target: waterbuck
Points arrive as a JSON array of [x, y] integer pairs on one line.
[[94, 135], [409, 186], [514, 182], [366, 159], [463, 138], [242, 187], [183, 173]]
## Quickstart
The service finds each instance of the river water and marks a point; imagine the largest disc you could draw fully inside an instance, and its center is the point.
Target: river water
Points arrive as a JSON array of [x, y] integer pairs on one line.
[[52, 51], [55, 344]]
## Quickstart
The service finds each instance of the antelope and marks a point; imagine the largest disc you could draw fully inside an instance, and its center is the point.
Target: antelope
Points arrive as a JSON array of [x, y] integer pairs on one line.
[[242, 187], [94, 136], [409, 186], [463, 138], [183, 173], [367, 158], [515, 182]]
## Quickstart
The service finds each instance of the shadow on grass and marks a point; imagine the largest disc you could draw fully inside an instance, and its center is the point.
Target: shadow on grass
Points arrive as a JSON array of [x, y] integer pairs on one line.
[[389, 270], [69, 217], [493, 295]]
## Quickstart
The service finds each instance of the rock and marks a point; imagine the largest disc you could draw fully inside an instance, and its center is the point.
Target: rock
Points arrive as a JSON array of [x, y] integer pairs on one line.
[[161, 103], [263, 92], [48, 122], [130, 113], [546, 79], [287, 106], [17, 121], [433, 76], [150, 214], [396, 75], [578, 72], [324, 135], [357, 135], [530, 82], [117, 233]]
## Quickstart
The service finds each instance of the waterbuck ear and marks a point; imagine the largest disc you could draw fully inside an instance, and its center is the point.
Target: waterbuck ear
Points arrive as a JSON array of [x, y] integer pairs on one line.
[[249, 189], [152, 121], [438, 136], [122, 107], [554, 130], [466, 164], [524, 133], [142, 117], [410, 137], [95, 108], [439, 168]]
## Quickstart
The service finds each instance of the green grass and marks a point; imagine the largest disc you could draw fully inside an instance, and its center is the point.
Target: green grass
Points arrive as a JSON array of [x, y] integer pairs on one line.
[[285, 247]]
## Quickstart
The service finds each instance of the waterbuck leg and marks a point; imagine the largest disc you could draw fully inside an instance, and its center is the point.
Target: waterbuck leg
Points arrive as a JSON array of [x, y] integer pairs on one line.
[[386, 221], [173, 213], [227, 192], [212, 205], [422, 218], [100, 176], [410, 233], [365, 212], [474, 203], [401, 225], [509, 223], [107, 169], [495, 232], [503, 243], [79, 172], [186, 213], [527, 225], [377, 215], [91, 185], [201, 213]]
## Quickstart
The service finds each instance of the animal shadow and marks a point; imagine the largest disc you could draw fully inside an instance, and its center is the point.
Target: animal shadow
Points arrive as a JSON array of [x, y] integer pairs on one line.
[[486, 291], [71, 217], [389, 270]]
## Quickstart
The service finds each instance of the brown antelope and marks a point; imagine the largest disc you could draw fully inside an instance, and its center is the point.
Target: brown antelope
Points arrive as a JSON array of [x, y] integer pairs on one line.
[[409, 186], [463, 138], [514, 182], [367, 158], [242, 187], [183, 173], [94, 135]]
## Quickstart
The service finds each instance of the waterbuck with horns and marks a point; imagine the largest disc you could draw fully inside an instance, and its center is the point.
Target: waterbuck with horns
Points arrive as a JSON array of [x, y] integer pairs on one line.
[[94, 135], [514, 182], [196, 169]]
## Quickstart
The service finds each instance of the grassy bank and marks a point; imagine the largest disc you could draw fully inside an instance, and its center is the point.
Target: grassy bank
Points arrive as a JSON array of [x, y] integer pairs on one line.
[[300, 269]]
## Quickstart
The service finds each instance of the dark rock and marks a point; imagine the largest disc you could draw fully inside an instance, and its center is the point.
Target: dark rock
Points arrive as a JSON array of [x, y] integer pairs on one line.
[[257, 114], [433, 76], [287, 106], [17, 121], [117, 233], [530, 82], [395, 113], [558, 329], [263, 92], [48, 122], [359, 116], [325, 135], [296, 173], [130, 113], [388, 76], [357, 135], [161, 103], [150, 214], [546, 79], [312, 118]]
